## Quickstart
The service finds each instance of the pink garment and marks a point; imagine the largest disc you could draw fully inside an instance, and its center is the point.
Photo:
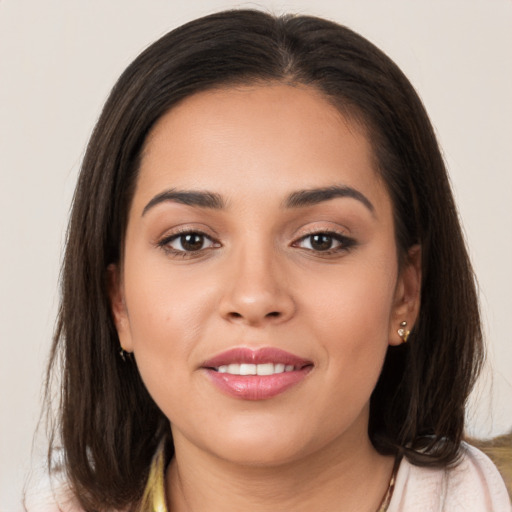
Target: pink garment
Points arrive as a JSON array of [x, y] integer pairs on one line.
[[475, 485]]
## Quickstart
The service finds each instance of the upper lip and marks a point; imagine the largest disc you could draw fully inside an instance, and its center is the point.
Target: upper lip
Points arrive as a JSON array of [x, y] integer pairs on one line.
[[255, 356]]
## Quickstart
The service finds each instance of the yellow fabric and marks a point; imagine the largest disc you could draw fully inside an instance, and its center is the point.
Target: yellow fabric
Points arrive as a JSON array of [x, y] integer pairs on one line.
[[153, 499]]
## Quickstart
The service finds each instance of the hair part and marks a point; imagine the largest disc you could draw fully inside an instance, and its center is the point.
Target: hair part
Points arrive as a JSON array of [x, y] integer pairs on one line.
[[109, 425]]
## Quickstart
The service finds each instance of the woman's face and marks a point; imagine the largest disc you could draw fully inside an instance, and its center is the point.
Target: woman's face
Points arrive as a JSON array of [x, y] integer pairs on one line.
[[260, 241]]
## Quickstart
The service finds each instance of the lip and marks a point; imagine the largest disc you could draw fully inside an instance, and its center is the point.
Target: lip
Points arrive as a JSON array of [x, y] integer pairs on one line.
[[258, 356], [256, 387]]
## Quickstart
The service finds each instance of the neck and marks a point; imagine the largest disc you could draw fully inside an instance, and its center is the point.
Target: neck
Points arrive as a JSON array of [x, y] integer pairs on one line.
[[347, 475]]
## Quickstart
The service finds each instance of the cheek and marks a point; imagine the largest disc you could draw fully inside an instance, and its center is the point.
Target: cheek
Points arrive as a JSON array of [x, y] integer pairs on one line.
[[351, 313], [356, 302], [165, 304], [167, 315]]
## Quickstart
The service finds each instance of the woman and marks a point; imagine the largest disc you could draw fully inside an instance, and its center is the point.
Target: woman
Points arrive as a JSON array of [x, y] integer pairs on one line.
[[267, 301]]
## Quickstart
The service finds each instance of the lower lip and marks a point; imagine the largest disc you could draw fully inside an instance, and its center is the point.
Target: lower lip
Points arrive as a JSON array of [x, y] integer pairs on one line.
[[257, 387]]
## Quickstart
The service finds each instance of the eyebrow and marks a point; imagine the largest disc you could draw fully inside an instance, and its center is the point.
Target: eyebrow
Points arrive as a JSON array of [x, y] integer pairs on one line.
[[314, 196], [189, 197], [299, 199]]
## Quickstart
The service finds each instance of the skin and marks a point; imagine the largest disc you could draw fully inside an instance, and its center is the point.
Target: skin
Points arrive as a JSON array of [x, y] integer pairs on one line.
[[259, 281]]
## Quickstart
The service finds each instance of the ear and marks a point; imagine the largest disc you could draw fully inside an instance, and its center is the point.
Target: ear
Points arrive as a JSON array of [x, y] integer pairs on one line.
[[406, 305], [118, 307]]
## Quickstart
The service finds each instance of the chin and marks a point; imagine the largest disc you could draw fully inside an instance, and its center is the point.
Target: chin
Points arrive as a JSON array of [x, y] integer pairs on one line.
[[258, 442], [252, 453]]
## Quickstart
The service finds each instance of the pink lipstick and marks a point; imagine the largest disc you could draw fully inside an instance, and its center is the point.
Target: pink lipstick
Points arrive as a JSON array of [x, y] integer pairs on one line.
[[256, 374]]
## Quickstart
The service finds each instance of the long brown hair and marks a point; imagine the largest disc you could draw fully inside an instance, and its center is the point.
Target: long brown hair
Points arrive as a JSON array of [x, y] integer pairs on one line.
[[108, 424]]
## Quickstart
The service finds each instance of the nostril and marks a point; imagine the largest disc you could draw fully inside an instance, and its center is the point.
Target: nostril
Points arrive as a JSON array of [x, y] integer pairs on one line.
[[274, 314]]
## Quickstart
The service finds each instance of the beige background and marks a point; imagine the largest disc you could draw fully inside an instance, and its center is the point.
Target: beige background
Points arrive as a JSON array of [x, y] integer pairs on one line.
[[58, 60]]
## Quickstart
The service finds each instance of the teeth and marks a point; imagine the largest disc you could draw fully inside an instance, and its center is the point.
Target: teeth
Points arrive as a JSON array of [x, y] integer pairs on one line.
[[234, 368], [279, 368], [265, 369], [255, 369], [247, 369]]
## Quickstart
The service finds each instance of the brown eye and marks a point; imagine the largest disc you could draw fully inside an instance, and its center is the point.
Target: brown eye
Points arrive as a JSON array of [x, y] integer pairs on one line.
[[192, 241], [189, 242], [328, 242], [321, 242]]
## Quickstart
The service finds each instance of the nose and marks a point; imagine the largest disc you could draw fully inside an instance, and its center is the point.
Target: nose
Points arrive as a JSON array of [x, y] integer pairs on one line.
[[257, 291]]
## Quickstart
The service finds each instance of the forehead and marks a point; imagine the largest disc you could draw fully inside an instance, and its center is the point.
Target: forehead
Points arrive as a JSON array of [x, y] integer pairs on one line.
[[263, 139]]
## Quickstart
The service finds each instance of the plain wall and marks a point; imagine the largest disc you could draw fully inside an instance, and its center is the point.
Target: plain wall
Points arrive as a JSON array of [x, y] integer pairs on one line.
[[58, 60]]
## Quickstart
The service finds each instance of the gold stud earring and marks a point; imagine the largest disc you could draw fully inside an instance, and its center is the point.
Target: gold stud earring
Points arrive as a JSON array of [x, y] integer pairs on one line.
[[403, 332]]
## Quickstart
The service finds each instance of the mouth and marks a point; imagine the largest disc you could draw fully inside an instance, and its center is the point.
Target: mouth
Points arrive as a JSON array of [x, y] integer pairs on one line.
[[255, 369], [256, 374]]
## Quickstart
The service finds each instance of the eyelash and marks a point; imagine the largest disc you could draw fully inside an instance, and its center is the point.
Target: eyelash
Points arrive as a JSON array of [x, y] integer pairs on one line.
[[165, 244], [345, 243]]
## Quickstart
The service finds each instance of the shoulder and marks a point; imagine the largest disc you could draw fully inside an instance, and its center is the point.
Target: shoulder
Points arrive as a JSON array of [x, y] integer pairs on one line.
[[473, 485], [50, 495]]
